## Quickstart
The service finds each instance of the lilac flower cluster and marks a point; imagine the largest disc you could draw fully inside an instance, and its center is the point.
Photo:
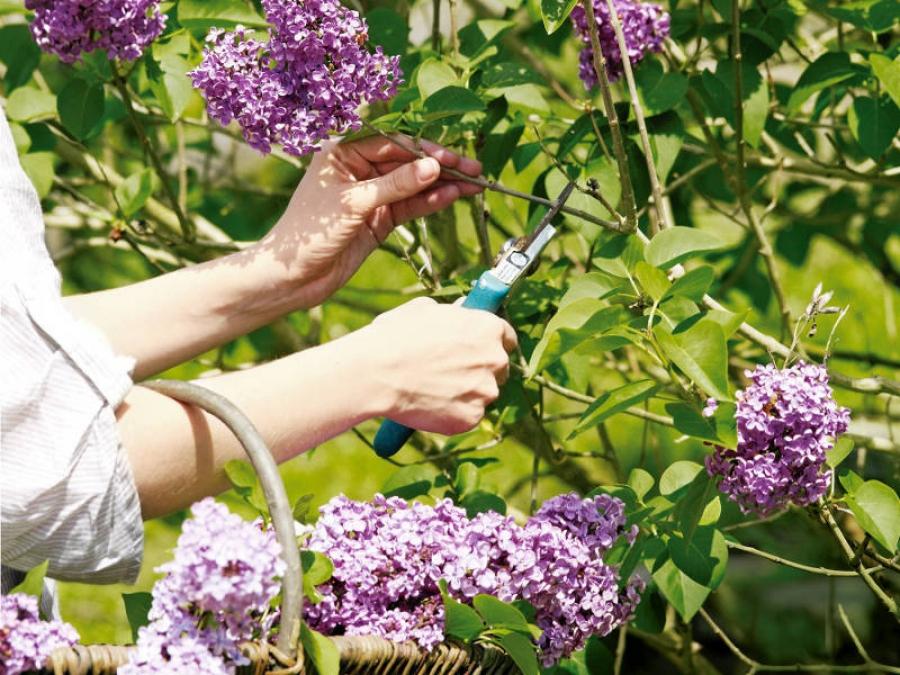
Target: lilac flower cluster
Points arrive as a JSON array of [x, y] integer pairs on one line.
[[215, 594], [25, 640], [644, 25], [786, 421], [69, 28], [389, 556], [308, 79]]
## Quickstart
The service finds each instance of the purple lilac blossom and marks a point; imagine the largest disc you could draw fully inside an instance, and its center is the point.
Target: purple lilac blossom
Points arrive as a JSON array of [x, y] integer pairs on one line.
[[223, 576], [25, 640], [69, 28], [644, 25], [307, 80], [389, 556], [786, 421]]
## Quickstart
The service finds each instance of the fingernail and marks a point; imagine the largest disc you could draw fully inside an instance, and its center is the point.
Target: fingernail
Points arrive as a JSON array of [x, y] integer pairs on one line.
[[427, 168]]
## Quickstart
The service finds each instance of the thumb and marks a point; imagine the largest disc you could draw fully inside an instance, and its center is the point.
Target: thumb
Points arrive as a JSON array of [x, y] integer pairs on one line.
[[401, 183]]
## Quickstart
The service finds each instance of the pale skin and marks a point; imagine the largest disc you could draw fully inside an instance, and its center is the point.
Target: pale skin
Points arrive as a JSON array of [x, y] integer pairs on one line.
[[429, 366]]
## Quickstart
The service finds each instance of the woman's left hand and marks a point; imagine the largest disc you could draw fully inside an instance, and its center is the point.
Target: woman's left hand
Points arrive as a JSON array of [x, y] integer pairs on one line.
[[352, 196]]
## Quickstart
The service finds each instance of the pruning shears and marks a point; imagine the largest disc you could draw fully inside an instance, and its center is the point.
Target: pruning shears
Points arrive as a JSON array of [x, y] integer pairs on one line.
[[517, 259]]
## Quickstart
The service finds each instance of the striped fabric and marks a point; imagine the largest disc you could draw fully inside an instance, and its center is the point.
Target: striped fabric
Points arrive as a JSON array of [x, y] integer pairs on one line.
[[66, 490]]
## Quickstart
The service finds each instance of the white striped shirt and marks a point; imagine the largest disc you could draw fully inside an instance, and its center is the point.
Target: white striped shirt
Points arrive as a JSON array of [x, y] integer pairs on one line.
[[66, 490]]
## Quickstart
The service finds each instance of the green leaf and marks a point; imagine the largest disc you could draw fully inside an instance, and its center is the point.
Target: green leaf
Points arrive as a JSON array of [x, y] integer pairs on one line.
[[729, 321], [555, 12], [433, 75], [320, 650], [29, 104], [682, 592], [525, 98], [666, 133], [693, 284], [508, 74], [720, 428], [137, 606], [38, 166], [701, 354], [19, 53], [199, 16], [475, 37], [874, 16], [169, 81], [240, 473], [703, 557], [873, 123], [410, 482], [466, 479], [850, 480], [495, 612], [888, 73], [522, 651], [721, 88], [571, 326], [451, 101], [640, 481], [877, 510], [388, 29], [825, 71], [653, 280], [614, 401], [20, 138], [33, 583], [300, 510], [842, 448], [317, 570], [650, 616], [481, 501], [659, 91], [132, 194], [460, 621], [80, 105], [691, 505], [676, 244], [678, 475]]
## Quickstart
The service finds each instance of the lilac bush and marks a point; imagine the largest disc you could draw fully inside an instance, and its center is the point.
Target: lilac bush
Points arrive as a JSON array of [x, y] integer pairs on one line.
[[70, 28], [307, 80], [25, 640], [786, 421], [214, 594], [389, 556], [644, 25]]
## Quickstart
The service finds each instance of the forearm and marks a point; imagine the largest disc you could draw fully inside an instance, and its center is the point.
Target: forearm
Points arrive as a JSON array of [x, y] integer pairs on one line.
[[169, 319], [178, 452]]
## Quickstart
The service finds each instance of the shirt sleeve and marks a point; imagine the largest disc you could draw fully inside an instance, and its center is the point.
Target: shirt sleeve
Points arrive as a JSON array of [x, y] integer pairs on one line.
[[67, 495]]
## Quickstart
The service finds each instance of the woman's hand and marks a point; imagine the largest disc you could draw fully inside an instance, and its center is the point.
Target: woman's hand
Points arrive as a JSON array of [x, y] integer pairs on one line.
[[436, 367], [351, 198]]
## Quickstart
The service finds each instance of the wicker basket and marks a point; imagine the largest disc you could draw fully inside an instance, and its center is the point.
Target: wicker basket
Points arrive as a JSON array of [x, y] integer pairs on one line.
[[358, 654]]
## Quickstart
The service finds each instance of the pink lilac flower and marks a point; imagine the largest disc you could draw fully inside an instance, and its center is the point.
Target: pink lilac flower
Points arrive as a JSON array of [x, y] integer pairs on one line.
[[25, 640], [306, 80], [70, 28], [786, 421], [223, 576], [644, 25], [389, 556]]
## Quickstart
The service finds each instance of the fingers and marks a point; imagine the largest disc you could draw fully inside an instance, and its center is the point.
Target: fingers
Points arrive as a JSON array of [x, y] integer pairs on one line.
[[402, 183], [400, 148]]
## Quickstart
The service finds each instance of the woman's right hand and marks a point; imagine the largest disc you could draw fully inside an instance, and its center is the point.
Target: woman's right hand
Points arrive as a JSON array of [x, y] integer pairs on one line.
[[437, 367]]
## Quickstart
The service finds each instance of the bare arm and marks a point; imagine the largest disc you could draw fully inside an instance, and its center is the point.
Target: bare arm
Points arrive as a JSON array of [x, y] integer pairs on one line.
[[432, 367], [350, 199]]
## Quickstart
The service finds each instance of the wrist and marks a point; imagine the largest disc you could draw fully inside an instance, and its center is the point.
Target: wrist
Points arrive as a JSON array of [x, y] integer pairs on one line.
[[372, 375]]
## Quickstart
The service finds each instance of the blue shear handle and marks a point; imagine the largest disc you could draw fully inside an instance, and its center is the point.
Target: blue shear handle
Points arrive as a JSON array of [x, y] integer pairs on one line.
[[488, 295]]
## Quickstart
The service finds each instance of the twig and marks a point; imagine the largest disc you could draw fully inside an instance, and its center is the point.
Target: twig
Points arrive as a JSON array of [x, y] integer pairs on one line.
[[498, 187], [879, 592], [665, 218], [824, 571], [599, 61], [188, 231]]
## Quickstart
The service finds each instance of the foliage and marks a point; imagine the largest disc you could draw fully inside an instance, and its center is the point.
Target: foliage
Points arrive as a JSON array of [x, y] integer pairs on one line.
[[753, 158]]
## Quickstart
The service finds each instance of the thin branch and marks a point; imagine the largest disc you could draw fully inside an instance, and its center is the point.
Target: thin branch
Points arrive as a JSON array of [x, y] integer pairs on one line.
[[824, 571], [599, 62], [497, 187], [188, 231], [665, 218]]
